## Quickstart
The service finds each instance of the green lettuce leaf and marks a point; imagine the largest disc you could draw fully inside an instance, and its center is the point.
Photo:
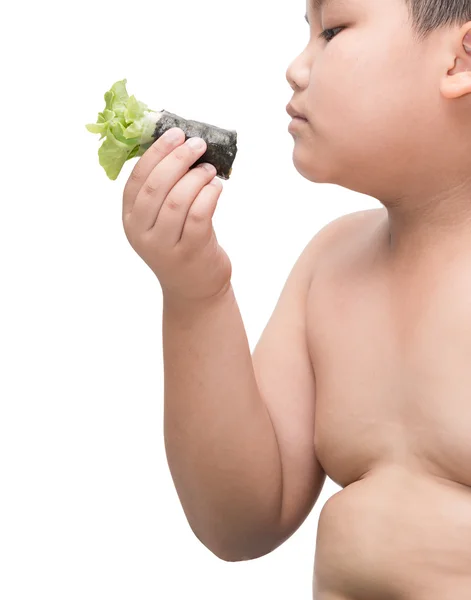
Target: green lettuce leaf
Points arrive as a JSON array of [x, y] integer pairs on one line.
[[125, 128]]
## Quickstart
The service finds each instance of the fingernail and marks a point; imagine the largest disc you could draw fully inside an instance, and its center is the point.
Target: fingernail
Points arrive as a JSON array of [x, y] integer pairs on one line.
[[172, 135], [196, 143], [208, 166]]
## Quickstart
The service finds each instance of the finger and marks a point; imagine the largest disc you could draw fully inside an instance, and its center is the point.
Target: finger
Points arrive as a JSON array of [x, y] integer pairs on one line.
[[152, 157], [160, 182], [171, 218], [198, 226]]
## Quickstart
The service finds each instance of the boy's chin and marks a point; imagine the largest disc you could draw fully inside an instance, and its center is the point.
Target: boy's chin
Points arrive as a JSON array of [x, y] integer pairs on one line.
[[312, 170]]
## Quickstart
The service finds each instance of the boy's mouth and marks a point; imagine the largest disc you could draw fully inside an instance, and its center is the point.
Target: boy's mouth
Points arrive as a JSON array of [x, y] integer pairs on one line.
[[294, 113]]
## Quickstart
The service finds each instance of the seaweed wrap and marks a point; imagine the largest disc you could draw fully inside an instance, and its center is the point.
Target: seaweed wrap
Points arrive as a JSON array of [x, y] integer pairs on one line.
[[130, 128], [221, 143]]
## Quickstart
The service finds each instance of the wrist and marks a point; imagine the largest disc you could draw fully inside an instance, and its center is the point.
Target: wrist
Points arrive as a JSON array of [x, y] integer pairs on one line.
[[180, 305]]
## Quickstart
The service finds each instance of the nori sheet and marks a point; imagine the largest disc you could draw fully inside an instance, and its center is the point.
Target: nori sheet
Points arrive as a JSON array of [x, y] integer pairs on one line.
[[221, 143]]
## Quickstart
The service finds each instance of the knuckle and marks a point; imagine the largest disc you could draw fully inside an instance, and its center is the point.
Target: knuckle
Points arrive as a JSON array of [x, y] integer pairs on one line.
[[149, 188], [126, 196], [182, 152], [125, 221], [136, 174], [184, 252], [129, 229], [159, 149], [153, 155], [173, 204], [196, 217], [165, 144]]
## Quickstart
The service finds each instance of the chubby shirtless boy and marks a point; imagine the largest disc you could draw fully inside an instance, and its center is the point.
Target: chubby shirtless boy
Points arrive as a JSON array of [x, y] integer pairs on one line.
[[363, 372]]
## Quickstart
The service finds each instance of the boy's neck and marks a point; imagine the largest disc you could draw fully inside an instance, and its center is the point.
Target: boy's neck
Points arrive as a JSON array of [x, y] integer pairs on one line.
[[426, 229]]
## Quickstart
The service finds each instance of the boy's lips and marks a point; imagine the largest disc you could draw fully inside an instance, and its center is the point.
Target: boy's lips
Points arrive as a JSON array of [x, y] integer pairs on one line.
[[296, 124], [294, 113]]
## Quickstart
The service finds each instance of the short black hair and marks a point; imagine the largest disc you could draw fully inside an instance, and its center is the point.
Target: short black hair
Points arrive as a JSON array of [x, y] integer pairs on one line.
[[429, 15]]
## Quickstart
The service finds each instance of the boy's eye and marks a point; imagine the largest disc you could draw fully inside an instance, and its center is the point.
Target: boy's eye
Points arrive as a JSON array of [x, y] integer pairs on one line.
[[329, 34]]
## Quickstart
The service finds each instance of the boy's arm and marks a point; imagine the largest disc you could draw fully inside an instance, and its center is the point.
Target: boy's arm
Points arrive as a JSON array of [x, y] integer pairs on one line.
[[239, 430], [219, 439]]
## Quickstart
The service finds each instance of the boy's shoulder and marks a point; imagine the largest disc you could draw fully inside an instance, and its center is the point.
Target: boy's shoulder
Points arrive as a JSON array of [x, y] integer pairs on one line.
[[355, 219], [343, 229], [331, 249]]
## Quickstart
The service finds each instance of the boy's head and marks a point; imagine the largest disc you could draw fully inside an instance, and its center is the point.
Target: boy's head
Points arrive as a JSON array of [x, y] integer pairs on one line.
[[386, 95]]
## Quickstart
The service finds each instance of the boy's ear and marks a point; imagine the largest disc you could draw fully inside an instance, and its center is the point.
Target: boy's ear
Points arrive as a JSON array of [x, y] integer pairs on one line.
[[457, 82]]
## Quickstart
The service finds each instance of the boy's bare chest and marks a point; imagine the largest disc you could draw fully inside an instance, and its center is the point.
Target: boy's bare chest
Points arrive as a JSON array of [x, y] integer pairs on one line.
[[393, 371]]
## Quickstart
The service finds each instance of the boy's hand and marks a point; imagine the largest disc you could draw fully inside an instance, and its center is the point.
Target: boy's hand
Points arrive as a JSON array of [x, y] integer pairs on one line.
[[167, 212]]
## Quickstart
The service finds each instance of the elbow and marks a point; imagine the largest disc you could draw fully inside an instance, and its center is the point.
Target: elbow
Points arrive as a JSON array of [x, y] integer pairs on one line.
[[232, 559], [242, 550], [230, 555], [240, 557]]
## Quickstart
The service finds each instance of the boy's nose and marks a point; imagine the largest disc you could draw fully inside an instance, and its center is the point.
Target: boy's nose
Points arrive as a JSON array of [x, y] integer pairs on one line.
[[297, 74]]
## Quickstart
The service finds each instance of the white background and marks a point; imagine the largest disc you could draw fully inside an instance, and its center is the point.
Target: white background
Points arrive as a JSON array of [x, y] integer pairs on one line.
[[88, 509]]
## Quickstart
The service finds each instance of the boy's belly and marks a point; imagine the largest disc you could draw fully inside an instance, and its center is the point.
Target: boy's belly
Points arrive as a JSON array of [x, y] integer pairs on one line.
[[396, 534]]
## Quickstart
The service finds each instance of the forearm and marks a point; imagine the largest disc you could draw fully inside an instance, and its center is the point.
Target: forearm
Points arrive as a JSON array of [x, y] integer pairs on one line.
[[220, 443]]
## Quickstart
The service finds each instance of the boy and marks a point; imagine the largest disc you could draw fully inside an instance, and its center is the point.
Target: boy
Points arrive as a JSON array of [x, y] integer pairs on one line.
[[363, 371]]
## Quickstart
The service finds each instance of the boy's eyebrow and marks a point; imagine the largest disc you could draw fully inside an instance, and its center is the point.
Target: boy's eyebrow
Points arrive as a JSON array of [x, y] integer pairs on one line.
[[317, 5]]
